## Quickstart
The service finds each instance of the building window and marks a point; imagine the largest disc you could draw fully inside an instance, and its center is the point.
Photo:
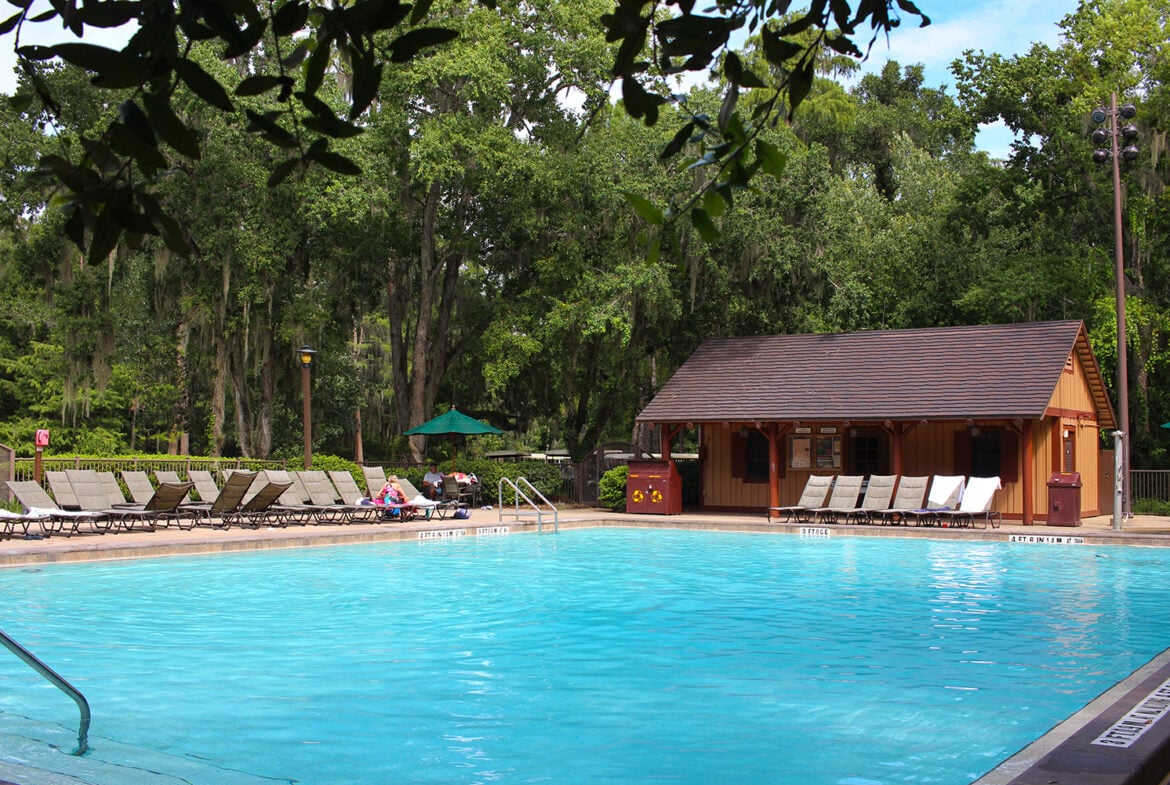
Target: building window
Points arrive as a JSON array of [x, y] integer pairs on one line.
[[756, 458], [988, 452], [985, 454]]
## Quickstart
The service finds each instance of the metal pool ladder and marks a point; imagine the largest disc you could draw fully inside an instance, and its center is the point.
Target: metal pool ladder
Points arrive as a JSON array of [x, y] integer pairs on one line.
[[57, 681], [533, 508]]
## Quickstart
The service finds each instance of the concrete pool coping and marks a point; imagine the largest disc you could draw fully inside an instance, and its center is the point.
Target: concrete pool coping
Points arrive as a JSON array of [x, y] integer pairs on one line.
[[1066, 755]]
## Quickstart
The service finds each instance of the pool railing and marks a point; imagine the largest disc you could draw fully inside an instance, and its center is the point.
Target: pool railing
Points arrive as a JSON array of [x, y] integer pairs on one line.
[[57, 681], [532, 508]]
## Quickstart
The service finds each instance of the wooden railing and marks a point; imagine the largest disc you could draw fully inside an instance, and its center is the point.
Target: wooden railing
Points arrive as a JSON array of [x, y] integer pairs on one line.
[[25, 468], [1150, 484]]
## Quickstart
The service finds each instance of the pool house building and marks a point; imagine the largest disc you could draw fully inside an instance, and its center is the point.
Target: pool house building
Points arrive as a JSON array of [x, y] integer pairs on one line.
[[1017, 401]]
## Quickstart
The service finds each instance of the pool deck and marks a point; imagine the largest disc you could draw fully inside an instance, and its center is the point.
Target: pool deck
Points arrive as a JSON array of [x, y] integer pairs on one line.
[[1136, 746], [18, 551]]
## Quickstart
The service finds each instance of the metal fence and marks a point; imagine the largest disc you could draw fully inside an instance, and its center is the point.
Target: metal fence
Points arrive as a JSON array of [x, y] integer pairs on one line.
[[1151, 484]]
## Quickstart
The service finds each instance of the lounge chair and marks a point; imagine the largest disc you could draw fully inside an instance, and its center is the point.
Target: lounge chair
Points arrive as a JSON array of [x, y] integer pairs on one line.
[[325, 487], [292, 506], [348, 492], [92, 490], [93, 494], [62, 490], [113, 490], [842, 499], [259, 507], [375, 479], [140, 487], [816, 490], [347, 487], [88, 490], [226, 501], [9, 521], [453, 491], [428, 506], [407, 510], [910, 496], [976, 505], [878, 492], [163, 475], [258, 483], [945, 493], [162, 507], [323, 495], [205, 485], [54, 519]]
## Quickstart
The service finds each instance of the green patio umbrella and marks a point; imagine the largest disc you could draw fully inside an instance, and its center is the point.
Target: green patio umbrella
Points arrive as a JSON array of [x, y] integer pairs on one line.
[[453, 423]]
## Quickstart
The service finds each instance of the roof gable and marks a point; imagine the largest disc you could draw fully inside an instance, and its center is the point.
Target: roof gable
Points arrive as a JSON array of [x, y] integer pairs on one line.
[[945, 373]]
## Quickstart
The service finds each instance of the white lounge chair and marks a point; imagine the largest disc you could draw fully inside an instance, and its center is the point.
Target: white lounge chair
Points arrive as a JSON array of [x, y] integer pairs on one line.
[[945, 493], [975, 506]]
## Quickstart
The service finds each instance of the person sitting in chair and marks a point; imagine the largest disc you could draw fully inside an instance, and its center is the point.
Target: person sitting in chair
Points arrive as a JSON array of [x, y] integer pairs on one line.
[[391, 492], [433, 482], [393, 497]]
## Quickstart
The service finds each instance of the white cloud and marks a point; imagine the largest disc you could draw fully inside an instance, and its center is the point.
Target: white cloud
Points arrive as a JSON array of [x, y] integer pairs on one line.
[[1007, 27]]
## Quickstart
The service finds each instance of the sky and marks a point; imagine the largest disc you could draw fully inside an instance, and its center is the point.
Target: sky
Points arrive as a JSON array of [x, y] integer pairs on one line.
[[1008, 27]]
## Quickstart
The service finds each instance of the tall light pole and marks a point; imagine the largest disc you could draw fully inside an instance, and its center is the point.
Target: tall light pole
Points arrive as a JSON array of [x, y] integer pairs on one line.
[[306, 355], [1113, 134]]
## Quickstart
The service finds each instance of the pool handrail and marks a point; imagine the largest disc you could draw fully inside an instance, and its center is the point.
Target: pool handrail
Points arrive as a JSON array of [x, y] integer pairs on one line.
[[518, 494], [57, 681]]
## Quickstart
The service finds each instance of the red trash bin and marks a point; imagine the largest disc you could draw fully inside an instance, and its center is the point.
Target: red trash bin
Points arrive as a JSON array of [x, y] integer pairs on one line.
[[654, 487], [1064, 499]]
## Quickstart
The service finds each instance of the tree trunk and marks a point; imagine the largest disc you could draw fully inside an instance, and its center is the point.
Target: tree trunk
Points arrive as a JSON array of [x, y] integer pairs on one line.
[[240, 398], [182, 412], [266, 383], [219, 402]]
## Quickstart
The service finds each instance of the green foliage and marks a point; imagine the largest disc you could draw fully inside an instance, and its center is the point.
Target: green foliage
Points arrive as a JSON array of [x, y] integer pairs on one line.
[[611, 490], [332, 463], [1151, 507], [100, 442]]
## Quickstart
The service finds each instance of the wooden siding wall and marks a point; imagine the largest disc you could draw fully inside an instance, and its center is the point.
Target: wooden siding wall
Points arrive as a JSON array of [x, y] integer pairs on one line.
[[927, 450], [720, 489], [1072, 408]]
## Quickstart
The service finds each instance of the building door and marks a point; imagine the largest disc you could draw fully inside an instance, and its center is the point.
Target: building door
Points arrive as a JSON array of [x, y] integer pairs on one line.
[[1068, 460]]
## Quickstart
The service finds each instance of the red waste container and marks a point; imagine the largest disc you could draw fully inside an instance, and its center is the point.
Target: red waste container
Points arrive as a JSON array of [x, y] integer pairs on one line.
[[1064, 499], [654, 487]]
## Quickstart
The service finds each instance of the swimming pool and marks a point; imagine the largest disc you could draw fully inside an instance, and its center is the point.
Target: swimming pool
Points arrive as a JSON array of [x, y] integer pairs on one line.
[[593, 656]]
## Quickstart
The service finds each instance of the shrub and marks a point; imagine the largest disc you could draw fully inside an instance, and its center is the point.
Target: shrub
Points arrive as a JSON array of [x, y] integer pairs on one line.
[[333, 463], [1151, 507], [611, 491]]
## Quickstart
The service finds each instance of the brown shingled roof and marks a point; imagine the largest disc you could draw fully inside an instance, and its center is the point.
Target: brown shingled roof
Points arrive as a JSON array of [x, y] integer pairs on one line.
[[945, 373]]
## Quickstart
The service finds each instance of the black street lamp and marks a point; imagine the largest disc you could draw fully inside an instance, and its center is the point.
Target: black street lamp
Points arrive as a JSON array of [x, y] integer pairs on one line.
[[306, 355], [1128, 135]]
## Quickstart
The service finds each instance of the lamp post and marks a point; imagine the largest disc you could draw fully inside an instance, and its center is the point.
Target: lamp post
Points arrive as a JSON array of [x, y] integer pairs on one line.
[[306, 354], [1128, 134]]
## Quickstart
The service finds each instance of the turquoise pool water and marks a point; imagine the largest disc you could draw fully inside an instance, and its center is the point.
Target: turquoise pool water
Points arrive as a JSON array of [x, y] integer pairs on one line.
[[594, 656]]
